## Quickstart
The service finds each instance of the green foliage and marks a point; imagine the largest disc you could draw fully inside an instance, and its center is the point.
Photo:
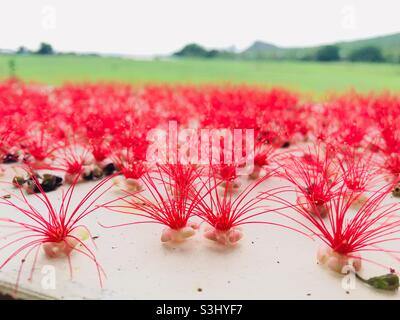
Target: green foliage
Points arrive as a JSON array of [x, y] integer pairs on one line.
[[193, 50], [45, 49], [212, 53], [327, 54], [23, 50], [389, 46], [388, 282], [367, 54]]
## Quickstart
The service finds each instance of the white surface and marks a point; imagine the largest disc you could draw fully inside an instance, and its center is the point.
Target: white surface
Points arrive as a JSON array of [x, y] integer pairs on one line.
[[269, 263]]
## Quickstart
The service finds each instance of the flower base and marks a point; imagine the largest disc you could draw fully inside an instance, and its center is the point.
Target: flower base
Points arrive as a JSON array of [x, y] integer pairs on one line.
[[321, 210], [338, 262], [225, 237], [230, 187], [256, 174], [64, 248], [131, 185], [179, 235]]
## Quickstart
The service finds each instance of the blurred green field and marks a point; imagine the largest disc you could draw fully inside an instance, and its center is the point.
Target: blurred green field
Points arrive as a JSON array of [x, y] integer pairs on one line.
[[309, 77]]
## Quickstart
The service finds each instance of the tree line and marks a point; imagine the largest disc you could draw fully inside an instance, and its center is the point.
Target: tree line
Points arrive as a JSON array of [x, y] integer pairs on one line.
[[329, 53], [362, 54], [44, 49]]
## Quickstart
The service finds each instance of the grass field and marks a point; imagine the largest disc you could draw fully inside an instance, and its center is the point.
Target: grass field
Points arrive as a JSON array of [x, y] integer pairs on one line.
[[315, 78]]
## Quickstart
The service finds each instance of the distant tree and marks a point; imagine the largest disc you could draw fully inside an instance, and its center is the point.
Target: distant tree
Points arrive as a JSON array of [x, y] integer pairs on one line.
[[327, 53], [45, 48], [212, 53], [307, 57], [23, 50], [192, 50], [367, 54]]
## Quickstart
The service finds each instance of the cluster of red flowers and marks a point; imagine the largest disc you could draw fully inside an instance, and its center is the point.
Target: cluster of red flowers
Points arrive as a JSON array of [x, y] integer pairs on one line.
[[340, 156]]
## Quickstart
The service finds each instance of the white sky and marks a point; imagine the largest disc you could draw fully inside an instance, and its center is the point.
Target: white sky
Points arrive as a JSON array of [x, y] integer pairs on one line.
[[162, 26]]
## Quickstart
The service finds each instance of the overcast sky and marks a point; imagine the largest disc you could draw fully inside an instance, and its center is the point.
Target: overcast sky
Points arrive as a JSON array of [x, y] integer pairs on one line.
[[150, 27]]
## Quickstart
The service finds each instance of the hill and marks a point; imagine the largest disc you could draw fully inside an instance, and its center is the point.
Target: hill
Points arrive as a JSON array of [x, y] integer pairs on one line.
[[389, 45]]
